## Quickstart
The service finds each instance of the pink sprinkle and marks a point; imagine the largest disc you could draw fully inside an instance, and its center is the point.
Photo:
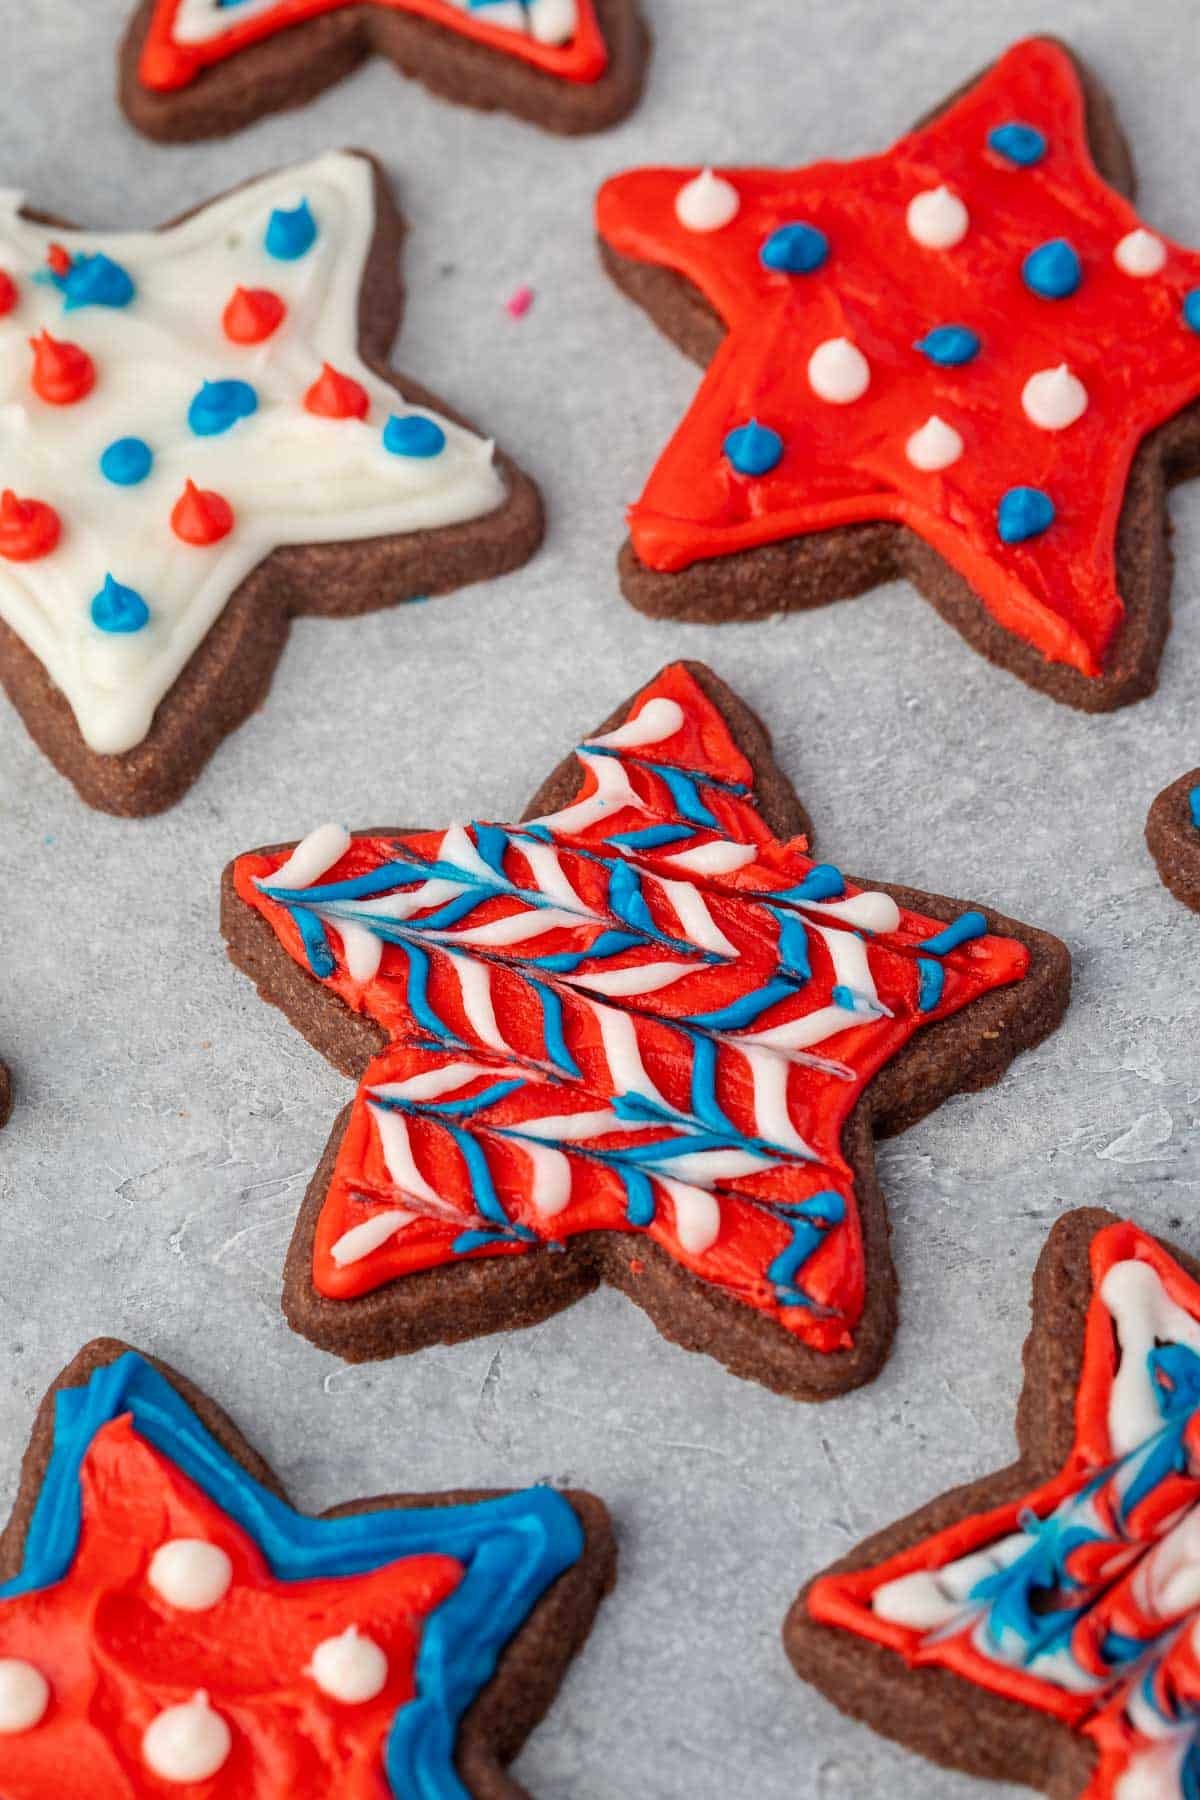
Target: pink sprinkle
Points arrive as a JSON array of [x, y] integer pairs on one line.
[[518, 304]]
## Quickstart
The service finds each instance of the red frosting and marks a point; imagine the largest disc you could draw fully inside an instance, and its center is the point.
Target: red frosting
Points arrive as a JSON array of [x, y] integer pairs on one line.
[[750, 1236], [8, 292], [201, 516], [167, 64], [336, 396], [252, 314], [116, 1655], [1107, 1570], [62, 372], [1124, 337], [28, 528]]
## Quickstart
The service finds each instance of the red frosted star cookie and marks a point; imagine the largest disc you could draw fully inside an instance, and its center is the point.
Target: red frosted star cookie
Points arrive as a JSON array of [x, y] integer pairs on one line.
[[1173, 834], [168, 1620], [965, 360], [201, 68], [1042, 1625], [641, 1037], [201, 438]]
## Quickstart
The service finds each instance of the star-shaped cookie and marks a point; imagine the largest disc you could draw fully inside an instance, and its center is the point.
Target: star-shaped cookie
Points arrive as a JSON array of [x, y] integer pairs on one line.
[[200, 438], [641, 1037], [168, 1620], [1173, 834], [965, 360], [201, 68], [1040, 1625]]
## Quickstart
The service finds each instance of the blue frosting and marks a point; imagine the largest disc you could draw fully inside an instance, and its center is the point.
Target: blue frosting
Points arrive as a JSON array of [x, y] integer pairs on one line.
[[219, 405], [1053, 270], [127, 461], [965, 929], [290, 233], [1191, 309], [511, 1548], [795, 249], [1024, 512], [809, 1220], [949, 345], [119, 609], [931, 978], [91, 280], [409, 434], [1018, 143], [1194, 806], [754, 449]]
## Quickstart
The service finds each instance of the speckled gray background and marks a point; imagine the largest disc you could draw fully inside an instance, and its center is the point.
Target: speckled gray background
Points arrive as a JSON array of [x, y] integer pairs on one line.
[[167, 1122]]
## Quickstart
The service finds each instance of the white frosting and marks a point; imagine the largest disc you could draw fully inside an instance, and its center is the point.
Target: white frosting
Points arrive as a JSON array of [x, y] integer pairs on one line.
[[641, 978], [1140, 253], [312, 857], [624, 1055], [772, 1114], [868, 911], [658, 720], [188, 1742], [290, 476], [720, 857], [699, 926], [697, 1214], [350, 1668], [934, 446], [613, 790], [707, 202], [1155, 1773], [24, 1696], [374, 1232], [1142, 1313], [547, 21], [475, 986], [937, 219], [838, 372], [1054, 398], [190, 1573], [551, 1170]]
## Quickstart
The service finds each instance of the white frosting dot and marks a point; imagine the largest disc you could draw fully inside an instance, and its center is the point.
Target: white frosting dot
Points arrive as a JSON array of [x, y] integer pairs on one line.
[[838, 371], [1054, 398], [351, 1668], [1140, 253], [188, 1742], [552, 21], [937, 219], [190, 1574], [935, 446], [24, 1695], [707, 202]]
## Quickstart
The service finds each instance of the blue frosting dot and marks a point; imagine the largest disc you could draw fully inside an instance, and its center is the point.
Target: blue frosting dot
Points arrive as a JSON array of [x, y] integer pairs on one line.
[[1024, 512], [290, 233], [1194, 806], [1018, 143], [949, 345], [1191, 309], [96, 281], [219, 405], [795, 249], [754, 449], [1053, 270], [127, 461], [409, 434], [118, 608]]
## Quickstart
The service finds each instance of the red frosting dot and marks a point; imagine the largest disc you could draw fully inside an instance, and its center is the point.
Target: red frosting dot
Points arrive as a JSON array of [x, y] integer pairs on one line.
[[336, 396], [28, 528], [252, 315], [201, 516], [8, 292], [62, 372], [58, 262]]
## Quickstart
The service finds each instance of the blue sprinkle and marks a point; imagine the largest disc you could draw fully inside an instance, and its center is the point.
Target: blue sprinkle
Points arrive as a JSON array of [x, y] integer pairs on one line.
[[1191, 309], [1194, 806], [409, 434], [964, 930], [754, 449], [1053, 270], [1017, 143], [1024, 512], [290, 234], [949, 345], [96, 281], [795, 249], [932, 980], [219, 405], [119, 609], [127, 461]]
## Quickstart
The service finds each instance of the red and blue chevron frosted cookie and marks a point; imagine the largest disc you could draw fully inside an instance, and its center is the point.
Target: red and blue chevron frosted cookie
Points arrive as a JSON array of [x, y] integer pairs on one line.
[[642, 1037], [201, 68], [1042, 1625], [1173, 834], [169, 1622]]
